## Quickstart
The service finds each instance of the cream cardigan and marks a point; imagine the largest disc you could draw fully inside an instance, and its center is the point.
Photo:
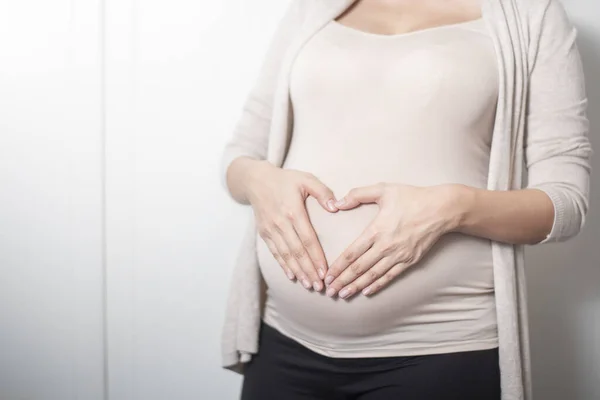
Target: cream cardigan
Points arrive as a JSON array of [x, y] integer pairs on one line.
[[540, 140]]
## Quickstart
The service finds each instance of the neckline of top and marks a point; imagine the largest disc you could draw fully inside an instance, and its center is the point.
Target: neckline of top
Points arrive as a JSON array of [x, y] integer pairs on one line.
[[340, 25]]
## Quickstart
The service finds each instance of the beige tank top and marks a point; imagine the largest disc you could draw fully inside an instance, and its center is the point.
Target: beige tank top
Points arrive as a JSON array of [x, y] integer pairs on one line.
[[415, 108]]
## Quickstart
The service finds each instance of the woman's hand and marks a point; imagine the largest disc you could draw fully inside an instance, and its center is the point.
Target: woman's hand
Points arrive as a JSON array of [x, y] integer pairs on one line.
[[277, 197], [411, 219]]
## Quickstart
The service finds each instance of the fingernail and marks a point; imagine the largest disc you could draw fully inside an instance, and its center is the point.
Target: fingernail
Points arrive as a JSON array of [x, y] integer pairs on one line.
[[317, 286], [290, 274], [340, 202], [321, 273], [306, 283], [366, 291], [330, 292], [345, 292], [331, 204], [328, 280]]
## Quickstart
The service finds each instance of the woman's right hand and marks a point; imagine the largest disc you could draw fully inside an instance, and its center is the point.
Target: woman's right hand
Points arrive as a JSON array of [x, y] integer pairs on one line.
[[278, 197]]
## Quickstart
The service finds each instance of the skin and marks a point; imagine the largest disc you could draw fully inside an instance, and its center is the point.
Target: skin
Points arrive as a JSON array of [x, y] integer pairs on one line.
[[411, 218], [391, 17], [278, 197]]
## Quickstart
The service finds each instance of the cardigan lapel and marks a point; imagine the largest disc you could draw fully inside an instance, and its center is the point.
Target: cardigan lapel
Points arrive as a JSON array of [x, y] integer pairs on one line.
[[319, 14], [503, 22], [505, 173]]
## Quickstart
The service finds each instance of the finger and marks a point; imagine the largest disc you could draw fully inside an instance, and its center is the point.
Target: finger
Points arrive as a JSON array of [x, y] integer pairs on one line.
[[300, 255], [378, 270], [385, 279], [287, 259], [360, 195], [271, 245], [351, 254], [311, 243], [321, 193], [362, 265]]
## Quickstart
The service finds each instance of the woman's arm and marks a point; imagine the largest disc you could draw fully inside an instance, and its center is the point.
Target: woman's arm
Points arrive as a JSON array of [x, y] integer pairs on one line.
[[251, 133], [514, 216], [558, 152], [557, 148], [277, 196]]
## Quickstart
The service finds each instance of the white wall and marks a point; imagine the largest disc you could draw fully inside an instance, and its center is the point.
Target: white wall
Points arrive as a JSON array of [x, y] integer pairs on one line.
[[564, 279], [114, 116], [51, 319], [176, 79]]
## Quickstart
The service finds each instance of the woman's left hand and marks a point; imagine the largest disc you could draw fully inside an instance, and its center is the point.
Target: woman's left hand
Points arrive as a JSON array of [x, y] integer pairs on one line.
[[410, 220]]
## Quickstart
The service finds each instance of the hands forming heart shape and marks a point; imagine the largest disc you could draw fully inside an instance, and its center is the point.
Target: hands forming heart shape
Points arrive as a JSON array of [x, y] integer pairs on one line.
[[410, 221]]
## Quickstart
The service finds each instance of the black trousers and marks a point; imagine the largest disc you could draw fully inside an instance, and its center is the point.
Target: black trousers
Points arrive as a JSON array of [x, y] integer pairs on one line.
[[284, 369]]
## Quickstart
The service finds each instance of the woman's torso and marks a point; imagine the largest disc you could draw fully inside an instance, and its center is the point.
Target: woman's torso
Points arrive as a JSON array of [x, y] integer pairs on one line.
[[416, 108]]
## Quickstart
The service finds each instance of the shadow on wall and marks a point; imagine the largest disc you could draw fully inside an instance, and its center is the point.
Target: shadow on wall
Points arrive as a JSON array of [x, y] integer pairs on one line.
[[564, 282]]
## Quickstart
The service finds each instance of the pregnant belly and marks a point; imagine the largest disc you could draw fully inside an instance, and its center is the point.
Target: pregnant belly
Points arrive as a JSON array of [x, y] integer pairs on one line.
[[450, 281]]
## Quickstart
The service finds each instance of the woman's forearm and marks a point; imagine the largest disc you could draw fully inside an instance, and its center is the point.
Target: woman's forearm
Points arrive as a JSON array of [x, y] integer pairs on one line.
[[240, 174], [522, 216], [516, 216]]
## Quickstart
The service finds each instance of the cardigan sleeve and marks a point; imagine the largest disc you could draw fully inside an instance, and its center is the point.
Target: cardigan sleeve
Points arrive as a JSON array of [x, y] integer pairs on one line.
[[251, 132], [557, 148]]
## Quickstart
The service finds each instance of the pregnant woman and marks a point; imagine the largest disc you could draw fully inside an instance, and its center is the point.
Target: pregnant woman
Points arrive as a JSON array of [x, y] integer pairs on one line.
[[380, 155]]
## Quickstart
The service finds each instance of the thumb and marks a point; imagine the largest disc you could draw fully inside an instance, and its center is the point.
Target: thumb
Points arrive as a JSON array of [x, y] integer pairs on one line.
[[360, 195], [322, 193]]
